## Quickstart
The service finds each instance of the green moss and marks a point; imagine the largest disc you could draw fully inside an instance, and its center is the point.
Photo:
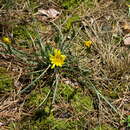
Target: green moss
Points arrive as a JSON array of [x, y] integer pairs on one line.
[[64, 124], [37, 96], [5, 80], [21, 32], [24, 33], [50, 123], [81, 103], [65, 91], [70, 21], [89, 3], [56, 123]]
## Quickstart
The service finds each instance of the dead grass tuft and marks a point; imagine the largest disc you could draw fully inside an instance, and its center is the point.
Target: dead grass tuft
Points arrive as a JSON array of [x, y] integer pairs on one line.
[[11, 108]]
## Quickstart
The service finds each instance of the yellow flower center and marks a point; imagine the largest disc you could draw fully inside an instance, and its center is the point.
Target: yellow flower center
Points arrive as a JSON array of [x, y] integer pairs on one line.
[[57, 59]]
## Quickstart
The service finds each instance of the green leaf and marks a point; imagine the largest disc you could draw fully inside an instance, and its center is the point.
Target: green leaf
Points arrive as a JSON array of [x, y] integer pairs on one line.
[[71, 20]]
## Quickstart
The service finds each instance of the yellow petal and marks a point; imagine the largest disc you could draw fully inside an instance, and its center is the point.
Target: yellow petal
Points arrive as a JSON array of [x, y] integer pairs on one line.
[[63, 56], [58, 52], [55, 51]]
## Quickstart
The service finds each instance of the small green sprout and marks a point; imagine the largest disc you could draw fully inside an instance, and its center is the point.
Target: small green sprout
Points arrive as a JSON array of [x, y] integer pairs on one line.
[[127, 121]]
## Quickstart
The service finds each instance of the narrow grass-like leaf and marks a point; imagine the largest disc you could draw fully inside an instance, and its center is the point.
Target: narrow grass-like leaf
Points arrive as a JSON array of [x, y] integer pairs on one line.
[[56, 86], [44, 100], [99, 94], [33, 82]]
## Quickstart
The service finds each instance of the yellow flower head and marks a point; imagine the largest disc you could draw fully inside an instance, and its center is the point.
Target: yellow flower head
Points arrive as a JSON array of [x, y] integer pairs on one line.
[[128, 4], [6, 40], [88, 43], [57, 59]]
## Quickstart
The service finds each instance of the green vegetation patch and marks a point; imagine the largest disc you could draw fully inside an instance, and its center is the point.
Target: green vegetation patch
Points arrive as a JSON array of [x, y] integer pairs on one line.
[[105, 127], [36, 97], [82, 103], [5, 80], [70, 21], [69, 4], [21, 32], [65, 91]]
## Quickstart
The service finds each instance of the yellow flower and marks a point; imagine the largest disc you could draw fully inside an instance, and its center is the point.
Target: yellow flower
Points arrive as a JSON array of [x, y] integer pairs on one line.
[[6, 40], [128, 4], [88, 43], [57, 59]]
